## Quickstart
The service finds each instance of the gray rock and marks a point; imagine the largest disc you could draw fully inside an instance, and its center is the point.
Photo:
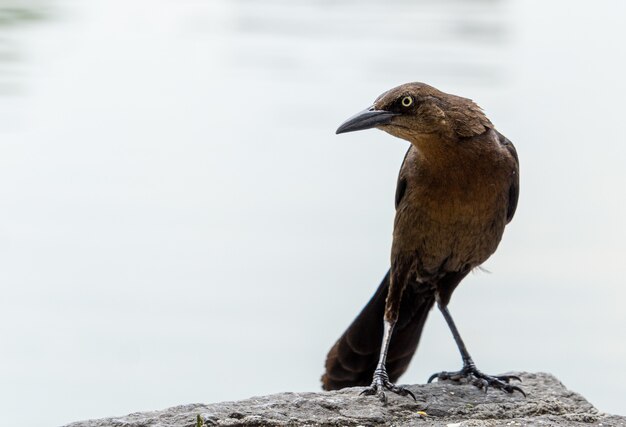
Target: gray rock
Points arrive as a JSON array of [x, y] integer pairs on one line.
[[548, 403]]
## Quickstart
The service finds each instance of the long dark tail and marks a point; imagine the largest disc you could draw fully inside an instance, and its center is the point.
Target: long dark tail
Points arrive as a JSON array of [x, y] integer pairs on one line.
[[353, 358]]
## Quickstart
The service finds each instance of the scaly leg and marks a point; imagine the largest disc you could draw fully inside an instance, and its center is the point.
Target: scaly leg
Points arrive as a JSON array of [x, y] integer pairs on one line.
[[381, 382], [469, 370]]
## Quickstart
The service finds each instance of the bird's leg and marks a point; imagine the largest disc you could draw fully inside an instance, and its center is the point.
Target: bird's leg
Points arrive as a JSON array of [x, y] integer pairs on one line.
[[381, 382], [469, 370]]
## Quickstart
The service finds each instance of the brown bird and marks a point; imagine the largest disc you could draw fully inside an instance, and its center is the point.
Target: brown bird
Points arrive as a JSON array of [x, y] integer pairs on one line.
[[457, 189]]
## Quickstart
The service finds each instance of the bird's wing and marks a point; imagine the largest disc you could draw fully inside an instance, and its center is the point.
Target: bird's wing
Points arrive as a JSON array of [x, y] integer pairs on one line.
[[401, 185], [514, 188]]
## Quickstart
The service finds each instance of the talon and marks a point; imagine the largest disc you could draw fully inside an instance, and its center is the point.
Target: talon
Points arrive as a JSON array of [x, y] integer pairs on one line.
[[381, 383], [478, 379], [367, 392], [432, 377], [403, 392], [516, 388], [410, 393]]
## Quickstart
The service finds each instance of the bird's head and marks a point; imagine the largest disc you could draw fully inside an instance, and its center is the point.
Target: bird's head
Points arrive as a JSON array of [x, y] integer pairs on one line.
[[415, 111]]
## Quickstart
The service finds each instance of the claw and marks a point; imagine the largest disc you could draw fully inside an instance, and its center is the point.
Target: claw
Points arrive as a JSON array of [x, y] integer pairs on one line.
[[367, 392], [378, 387], [516, 388], [403, 391], [480, 380], [373, 390]]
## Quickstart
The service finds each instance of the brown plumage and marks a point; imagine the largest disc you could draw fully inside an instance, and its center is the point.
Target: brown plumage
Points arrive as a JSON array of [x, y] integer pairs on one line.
[[457, 189]]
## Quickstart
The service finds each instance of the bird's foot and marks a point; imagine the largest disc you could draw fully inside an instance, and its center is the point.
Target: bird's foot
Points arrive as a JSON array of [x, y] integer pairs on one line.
[[381, 383], [480, 380]]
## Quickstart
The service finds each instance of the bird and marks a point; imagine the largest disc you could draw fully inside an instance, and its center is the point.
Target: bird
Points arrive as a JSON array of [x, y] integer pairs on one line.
[[457, 189]]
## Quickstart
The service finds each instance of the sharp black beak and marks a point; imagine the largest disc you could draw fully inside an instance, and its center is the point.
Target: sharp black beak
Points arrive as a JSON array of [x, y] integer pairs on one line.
[[366, 119]]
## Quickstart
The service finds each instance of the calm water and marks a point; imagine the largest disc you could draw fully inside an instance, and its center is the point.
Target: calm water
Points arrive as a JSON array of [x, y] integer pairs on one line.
[[179, 223]]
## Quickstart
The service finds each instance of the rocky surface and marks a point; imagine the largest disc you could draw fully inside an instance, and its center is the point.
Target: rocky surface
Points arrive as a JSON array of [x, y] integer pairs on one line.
[[548, 403]]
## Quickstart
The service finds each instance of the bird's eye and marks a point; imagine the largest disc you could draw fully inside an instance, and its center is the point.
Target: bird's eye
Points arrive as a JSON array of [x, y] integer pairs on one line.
[[407, 101]]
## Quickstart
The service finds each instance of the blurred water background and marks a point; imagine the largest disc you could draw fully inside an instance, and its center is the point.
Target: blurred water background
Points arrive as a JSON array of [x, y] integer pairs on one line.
[[178, 222]]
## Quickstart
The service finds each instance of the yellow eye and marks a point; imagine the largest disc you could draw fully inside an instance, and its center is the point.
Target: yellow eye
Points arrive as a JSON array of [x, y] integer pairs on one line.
[[407, 101]]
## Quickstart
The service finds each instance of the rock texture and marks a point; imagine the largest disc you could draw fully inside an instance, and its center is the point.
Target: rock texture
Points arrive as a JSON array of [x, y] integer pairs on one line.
[[548, 403]]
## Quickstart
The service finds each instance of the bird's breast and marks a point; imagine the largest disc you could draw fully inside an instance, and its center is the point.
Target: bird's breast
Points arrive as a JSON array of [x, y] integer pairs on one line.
[[452, 216]]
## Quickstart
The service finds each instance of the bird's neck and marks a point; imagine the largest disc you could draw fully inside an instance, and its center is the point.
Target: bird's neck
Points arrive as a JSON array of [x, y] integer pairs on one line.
[[452, 162], [440, 153]]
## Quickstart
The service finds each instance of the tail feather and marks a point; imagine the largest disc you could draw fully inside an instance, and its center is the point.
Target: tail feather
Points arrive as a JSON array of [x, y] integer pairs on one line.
[[353, 358]]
